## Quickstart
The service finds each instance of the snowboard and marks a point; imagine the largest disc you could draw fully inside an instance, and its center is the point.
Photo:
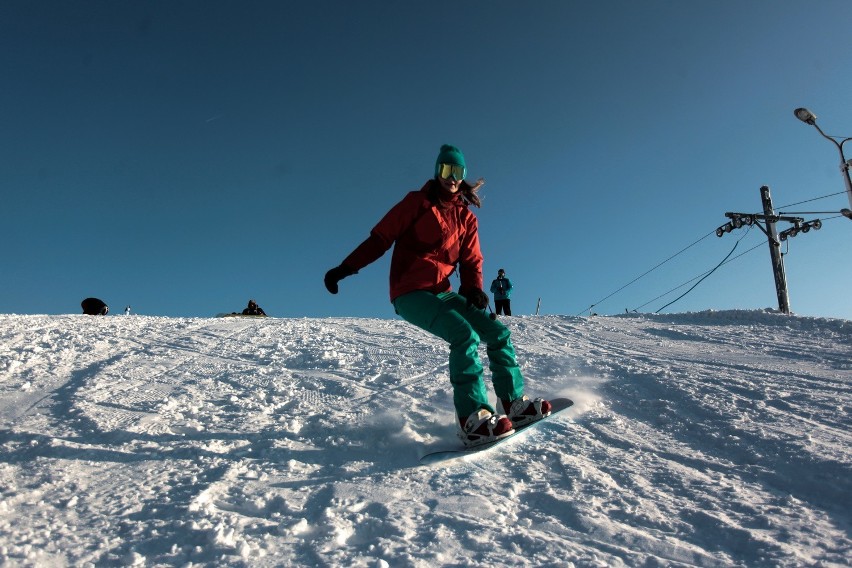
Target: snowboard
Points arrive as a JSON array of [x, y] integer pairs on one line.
[[460, 451]]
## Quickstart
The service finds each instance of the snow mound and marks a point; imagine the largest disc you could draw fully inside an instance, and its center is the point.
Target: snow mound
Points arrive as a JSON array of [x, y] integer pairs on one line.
[[704, 439]]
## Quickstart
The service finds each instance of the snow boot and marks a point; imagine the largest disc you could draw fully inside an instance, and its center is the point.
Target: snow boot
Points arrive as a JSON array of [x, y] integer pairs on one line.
[[482, 427], [523, 410]]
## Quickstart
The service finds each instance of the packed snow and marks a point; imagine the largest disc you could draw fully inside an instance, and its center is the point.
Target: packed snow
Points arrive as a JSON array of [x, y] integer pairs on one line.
[[701, 439]]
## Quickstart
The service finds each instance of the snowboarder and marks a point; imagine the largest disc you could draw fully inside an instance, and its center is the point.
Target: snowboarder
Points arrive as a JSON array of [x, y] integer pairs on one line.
[[501, 287], [433, 230], [253, 309], [94, 307]]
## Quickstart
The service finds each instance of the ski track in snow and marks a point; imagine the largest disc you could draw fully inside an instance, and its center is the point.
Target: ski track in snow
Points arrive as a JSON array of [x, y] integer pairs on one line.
[[709, 439]]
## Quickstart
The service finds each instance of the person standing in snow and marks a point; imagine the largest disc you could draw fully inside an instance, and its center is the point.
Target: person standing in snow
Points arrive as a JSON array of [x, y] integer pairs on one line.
[[501, 287], [432, 231]]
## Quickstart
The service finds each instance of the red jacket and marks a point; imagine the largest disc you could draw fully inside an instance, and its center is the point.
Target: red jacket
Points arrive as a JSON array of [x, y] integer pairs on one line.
[[432, 235]]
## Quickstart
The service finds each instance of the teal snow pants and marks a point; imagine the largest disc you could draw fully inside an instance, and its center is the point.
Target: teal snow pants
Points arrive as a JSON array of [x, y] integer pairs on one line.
[[448, 316]]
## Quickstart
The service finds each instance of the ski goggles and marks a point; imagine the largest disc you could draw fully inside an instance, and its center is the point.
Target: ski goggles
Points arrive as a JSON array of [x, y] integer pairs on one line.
[[447, 171]]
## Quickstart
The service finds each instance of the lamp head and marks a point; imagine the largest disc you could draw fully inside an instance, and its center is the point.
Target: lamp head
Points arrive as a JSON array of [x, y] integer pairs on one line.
[[805, 115]]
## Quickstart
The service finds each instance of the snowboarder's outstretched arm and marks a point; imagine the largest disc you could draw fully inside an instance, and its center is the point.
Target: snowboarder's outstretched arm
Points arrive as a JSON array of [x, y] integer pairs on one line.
[[381, 238]]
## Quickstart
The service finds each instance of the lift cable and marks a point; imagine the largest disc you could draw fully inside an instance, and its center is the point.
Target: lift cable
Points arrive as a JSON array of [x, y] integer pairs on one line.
[[702, 276], [649, 271], [809, 200], [708, 274]]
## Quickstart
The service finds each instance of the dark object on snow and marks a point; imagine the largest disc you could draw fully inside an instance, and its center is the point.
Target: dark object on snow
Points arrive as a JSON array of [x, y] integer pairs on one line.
[[94, 307], [253, 309]]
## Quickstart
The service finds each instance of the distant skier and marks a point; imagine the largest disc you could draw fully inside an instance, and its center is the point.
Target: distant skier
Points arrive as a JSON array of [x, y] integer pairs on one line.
[[253, 309], [433, 230], [94, 307], [501, 287]]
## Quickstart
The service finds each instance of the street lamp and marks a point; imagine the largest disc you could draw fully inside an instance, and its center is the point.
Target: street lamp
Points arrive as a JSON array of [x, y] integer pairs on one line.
[[808, 117]]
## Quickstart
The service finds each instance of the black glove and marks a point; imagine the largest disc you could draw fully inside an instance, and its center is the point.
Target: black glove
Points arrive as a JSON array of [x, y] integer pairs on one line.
[[475, 297], [335, 275]]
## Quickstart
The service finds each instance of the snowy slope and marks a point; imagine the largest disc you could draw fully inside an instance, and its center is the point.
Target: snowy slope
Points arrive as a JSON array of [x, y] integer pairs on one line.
[[710, 439]]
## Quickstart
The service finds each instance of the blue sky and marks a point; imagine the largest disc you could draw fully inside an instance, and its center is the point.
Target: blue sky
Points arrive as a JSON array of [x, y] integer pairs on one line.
[[183, 157]]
